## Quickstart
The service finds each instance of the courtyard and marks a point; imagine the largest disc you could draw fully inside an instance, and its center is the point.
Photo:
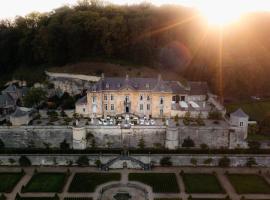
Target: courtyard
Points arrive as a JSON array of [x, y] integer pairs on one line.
[[162, 183]]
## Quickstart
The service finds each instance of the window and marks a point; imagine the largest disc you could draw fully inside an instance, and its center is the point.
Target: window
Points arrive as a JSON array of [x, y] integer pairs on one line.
[[147, 85], [105, 97], [183, 98], [112, 97], [148, 98], [161, 112], [161, 101], [127, 98], [107, 85], [141, 97], [148, 106], [241, 123], [118, 85], [94, 99], [106, 107], [83, 109], [141, 106], [112, 106]]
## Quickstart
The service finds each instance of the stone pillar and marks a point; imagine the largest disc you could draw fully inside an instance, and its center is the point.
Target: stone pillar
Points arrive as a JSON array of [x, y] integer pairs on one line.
[[79, 137], [172, 139]]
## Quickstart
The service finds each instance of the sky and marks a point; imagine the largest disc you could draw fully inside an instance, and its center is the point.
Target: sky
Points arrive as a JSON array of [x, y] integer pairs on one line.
[[11, 8]]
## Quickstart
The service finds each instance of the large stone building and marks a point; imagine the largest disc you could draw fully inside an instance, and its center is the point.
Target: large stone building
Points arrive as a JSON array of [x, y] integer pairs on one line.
[[150, 97]]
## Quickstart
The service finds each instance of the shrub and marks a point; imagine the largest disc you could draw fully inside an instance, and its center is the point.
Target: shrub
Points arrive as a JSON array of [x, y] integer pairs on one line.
[[208, 161], [166, 161], [251, 162], [224, 162], [98, 163], [215, 115], [204, 146], [188, 143], [193, 161], [2, 144], [255, 145], [141, 143], [83, 161], [64, 145], [24, 161]]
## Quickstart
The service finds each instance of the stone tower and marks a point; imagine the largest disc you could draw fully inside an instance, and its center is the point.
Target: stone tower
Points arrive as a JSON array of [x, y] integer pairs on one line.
[[79, 137]]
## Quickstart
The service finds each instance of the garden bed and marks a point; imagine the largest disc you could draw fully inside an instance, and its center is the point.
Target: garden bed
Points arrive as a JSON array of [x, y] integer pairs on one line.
[[160, 182], [201, 183], [9, 180], [249, 184], [46, 182], [87, 182]]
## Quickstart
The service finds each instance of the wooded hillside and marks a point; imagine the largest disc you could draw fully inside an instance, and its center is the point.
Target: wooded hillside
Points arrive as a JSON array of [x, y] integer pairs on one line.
[[173, 38]]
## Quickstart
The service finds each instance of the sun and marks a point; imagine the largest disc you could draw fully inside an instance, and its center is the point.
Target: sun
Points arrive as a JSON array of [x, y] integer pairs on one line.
[[220, 12]]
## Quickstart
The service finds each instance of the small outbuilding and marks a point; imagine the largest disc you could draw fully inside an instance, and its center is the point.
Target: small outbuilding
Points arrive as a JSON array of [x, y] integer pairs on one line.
[[81, 107], [21, 116]]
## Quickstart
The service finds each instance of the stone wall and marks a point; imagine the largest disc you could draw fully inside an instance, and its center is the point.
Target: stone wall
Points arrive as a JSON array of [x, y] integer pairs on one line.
[[177, 159], [37, 136]]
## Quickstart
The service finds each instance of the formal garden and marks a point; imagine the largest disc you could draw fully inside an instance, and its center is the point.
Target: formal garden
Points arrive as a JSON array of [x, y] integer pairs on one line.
[[249, 184], [201, 183], [8, 180], [46, 182], [160, 182], [196, 183], [87, 182]]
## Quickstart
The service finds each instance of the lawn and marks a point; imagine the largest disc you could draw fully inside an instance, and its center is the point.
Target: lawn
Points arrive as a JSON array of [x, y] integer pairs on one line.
[[202, 183], [257, 110], [249, 184], [87, 182], [78, 198], [167, 199], [9, 180], [46, 182], [160, 182]]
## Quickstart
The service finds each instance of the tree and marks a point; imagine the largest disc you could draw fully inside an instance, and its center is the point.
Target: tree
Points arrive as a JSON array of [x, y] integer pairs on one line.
[[193, 161], [215, 115], [166, 161], [83, 161], [64, 145], [2, 144], [254, 145], [188, 143], [24, 161], [224, 162], [34, 97], [251, 162], [141, 143]]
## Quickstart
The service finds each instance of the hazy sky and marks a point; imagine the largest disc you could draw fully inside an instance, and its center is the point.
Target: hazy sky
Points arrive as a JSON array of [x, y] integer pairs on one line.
[[11, 8]]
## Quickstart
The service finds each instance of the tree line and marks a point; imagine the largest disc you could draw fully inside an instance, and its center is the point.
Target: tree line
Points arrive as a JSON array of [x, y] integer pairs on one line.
[[170, 37]]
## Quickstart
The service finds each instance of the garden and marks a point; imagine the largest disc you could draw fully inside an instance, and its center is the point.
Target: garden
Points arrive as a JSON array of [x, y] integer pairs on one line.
[[46, 182], [201, 183], [87, 182], [9, 180], [160, 182], [249, 184]]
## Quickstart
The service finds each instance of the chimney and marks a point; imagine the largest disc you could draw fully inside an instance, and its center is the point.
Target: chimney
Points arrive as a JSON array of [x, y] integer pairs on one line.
[[102, 76], [159, 77]]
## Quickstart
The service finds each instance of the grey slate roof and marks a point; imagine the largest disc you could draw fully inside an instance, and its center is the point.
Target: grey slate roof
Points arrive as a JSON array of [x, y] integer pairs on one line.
[[10, 89], [82, 101], [239, 113], [6, 100], [19, 113], [149, 84]]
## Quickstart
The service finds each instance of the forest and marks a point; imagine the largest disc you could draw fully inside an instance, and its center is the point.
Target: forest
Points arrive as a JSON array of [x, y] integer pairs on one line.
[[234, 60]]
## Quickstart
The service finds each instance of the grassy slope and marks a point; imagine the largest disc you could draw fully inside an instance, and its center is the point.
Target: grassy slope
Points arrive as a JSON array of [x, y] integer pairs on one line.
[[255, 109], [95, 68]]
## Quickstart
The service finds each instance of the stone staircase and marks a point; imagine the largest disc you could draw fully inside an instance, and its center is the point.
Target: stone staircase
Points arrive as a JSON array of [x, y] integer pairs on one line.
[[106, 166]]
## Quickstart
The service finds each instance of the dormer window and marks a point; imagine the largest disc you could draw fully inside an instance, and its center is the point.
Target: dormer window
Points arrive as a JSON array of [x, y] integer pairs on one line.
[[241, 124], [107, 85], [94, 88], [161, 101], [147, 85], [118, 85], [141, 97]]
